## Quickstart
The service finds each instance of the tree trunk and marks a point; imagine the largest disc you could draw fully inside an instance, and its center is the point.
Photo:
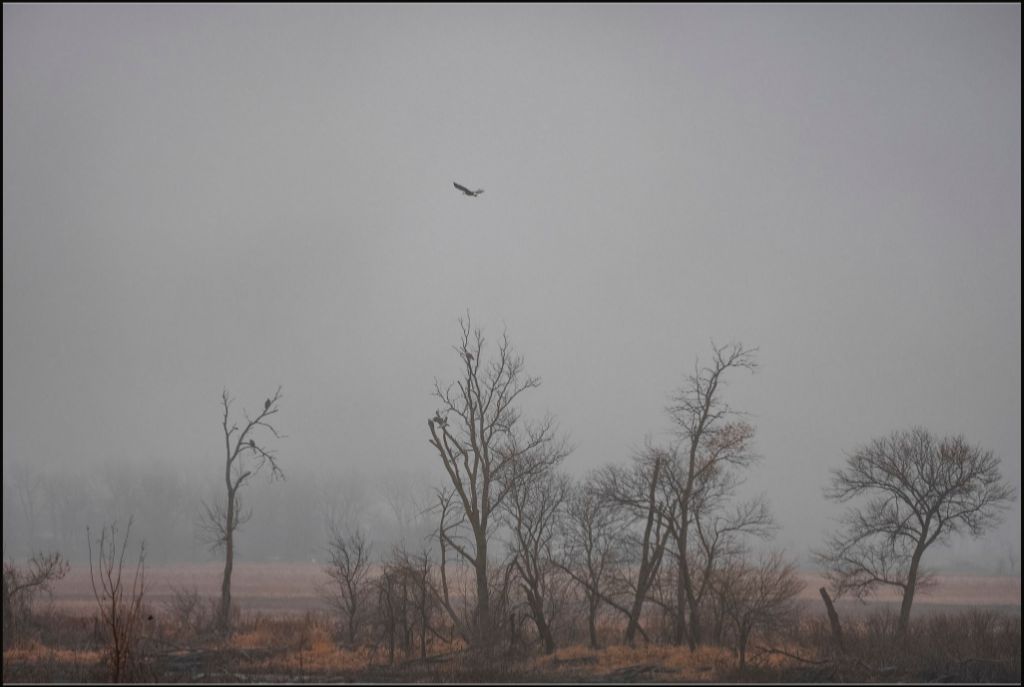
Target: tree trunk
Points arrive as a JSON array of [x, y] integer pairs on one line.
[[686, 602], [543, 629], [680, 619], [908, 592], [229, 562], [391, 641], [742, 647], [423, 623], [483, 600], [634, 620], [833, 619], [592, 623], [685, 582], [693, 637]]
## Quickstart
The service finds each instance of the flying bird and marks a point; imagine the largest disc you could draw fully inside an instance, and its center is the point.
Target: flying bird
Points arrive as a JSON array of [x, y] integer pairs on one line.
[[467, 191]]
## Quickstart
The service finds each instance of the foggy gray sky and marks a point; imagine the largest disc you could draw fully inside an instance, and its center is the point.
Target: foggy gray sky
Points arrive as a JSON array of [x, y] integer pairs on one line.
[[201, 196]]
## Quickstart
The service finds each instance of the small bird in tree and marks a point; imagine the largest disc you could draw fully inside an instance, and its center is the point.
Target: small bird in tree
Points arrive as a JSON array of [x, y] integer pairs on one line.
[[252, 444], [467, 191], [266, 405]]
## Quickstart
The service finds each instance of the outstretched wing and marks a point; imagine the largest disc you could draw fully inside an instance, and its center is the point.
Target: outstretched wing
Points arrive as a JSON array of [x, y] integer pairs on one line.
[[462, 188]]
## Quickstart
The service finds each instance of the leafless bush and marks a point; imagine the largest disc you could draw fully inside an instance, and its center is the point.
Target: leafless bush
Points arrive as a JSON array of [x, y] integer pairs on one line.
[[190, 614], [422, 610], [757, 597], [120, 606], [390, 608], [21, 585], [348, 591]]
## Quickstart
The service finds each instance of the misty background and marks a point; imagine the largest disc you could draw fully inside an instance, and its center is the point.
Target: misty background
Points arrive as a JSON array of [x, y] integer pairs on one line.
[[201, 197]]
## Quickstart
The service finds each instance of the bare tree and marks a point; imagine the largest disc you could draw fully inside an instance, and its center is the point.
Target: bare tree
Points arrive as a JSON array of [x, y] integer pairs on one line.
[[639, 493], [416, 572], [592, 551], [757, 596], [711, 442], [246, 454], [348, 568], [920, 491], [120, 606], [721, 535], [534, 510], [481, 439], [20, 587]]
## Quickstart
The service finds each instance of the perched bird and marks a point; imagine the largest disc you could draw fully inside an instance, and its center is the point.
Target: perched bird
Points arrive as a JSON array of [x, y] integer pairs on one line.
[[266, 405], [467, 191], [252, 444]]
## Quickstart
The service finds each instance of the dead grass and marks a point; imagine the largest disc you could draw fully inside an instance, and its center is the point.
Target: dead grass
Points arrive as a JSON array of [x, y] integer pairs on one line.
[[284, 633], [675, 663], [34, 662], [36, 653]]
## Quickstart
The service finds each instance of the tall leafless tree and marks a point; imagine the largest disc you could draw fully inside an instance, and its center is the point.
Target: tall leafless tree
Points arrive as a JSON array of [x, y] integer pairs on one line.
[[246, 453], [920, 490], [639, 493], [721, 536], [712, 440], [592, 551], [535, 509], [484, 445]]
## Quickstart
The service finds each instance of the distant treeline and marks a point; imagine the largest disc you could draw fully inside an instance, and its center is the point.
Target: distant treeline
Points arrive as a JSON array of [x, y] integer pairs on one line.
[[47, 507]]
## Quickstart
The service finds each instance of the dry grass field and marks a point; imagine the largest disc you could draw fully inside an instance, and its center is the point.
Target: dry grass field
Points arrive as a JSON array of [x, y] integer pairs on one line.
[[967, 628], [292, 587]]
